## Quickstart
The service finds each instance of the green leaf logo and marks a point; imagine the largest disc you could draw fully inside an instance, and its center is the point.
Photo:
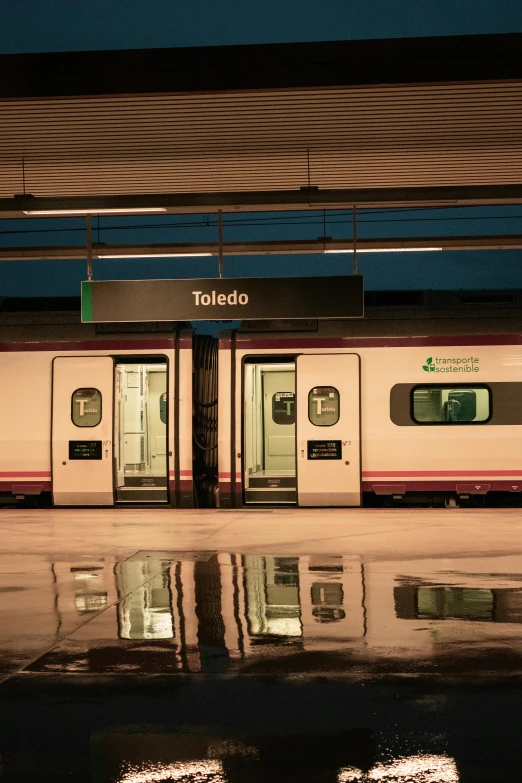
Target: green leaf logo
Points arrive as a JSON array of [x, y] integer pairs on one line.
[[424, 367], [429, 361]]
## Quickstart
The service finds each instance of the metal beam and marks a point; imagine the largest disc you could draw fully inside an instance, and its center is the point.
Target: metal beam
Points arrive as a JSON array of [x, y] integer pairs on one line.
[[273, 247], [263, 66], [264, 201]]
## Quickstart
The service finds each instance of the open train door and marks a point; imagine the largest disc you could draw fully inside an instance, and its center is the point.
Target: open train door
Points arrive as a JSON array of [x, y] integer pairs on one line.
[[82, 423], [328, 430]]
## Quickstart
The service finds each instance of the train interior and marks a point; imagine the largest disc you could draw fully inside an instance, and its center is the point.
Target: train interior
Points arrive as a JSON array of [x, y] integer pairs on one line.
[[269, 432], [141, 431]]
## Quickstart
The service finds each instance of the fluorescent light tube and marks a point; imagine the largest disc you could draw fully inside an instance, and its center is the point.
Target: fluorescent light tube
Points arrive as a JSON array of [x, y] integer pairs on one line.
[[386, 250], [158, 255], [112, 211]]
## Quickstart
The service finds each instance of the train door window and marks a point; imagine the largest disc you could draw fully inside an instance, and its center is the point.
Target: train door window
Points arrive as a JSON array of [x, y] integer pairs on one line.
[[283, 407], [163, 407], [323, 406], [445, 404], [269, 416], [141, 430], [327, 601], [86, 407]]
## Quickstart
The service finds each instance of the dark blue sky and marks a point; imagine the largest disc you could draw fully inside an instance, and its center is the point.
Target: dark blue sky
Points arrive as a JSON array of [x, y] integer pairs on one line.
[[68, 25]]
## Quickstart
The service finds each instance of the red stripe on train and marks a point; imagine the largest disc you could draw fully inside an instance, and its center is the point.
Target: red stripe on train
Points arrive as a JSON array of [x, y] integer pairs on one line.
[[89, 345], [289, 343], [435, 473]]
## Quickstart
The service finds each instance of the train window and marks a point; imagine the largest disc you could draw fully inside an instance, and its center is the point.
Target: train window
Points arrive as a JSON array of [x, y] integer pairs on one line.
[[450, 405], [283, 407], [86, 407], [466, 603], [323, 406], [163, 407]]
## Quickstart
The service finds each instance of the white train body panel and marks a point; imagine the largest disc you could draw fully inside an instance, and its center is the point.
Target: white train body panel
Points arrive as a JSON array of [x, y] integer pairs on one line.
[[396, 459], [26, 405]]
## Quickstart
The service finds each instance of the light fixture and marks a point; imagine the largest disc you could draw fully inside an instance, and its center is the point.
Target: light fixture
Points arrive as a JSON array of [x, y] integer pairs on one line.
[[159, 255], [386, 250], [101, 211]]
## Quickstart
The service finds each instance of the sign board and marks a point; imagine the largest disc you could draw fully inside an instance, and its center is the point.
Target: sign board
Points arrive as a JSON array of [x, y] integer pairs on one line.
[[325, 449], [85, 449], [106, 301]]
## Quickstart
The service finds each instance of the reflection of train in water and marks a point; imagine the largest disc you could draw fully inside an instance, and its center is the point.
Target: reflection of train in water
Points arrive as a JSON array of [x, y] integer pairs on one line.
[[346, 618], [253, 613], [420, 401]]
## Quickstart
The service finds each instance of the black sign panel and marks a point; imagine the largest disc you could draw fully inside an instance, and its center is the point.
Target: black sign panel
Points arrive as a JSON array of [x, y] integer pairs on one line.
[[108, 301], [85, 449], [325, 449]]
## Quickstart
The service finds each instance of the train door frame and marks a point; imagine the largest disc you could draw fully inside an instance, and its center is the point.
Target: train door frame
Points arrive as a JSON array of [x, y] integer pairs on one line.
[[147, 358], [322, 449], [288, 358], [155, 358], [260, 359]]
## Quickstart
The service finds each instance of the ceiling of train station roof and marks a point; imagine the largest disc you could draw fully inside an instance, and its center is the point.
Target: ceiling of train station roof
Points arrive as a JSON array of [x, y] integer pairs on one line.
[[334, 137]]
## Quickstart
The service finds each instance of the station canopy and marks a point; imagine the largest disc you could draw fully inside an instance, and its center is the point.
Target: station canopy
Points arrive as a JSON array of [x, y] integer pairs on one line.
[[278, 126]]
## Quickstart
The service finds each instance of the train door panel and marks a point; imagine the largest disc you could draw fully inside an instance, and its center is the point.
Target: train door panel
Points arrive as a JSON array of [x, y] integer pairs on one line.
[[119, 407], [279, 418], [141, 430], [82, 423], [157, 421], [269, 430], [328, 430]]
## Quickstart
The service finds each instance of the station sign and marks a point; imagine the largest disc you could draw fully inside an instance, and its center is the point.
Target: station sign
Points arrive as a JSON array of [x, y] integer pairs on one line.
[[128, 301]]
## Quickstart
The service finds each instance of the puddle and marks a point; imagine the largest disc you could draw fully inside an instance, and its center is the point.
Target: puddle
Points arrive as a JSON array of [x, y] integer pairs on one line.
[[222, 613]]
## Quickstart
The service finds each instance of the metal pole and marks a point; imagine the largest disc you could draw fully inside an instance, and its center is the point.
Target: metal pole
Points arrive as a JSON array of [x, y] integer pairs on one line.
[[354, 240], [220, 241], [89, 247]]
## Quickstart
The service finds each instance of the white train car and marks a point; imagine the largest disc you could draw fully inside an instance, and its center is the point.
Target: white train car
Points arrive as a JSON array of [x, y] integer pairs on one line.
[[93, 415], [421, 401]]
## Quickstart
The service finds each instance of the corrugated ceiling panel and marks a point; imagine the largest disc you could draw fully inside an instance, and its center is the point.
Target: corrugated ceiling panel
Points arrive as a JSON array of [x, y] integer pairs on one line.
[[338, 138]]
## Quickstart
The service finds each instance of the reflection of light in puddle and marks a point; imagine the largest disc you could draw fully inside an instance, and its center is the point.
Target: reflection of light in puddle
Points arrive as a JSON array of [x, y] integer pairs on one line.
[[189, 771], [284, 626], [414, 769]]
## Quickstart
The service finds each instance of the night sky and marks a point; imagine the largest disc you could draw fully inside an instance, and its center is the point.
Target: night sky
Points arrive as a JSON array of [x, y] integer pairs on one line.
[[68, 25], [72, 25]]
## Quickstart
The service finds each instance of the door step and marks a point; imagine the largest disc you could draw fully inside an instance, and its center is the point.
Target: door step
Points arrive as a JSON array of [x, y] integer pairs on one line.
[[272, 482], [141, 495], [275, 495], [145, 482]]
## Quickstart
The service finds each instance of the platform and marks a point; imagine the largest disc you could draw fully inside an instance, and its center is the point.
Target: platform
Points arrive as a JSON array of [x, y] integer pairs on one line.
[[159, 644]]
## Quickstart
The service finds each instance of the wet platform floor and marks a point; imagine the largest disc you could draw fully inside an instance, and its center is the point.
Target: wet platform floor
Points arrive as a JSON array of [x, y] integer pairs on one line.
[[397, 657]]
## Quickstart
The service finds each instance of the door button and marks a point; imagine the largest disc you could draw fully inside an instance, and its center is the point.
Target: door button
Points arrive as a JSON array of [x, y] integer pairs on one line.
[[346, 463], [64, 463]]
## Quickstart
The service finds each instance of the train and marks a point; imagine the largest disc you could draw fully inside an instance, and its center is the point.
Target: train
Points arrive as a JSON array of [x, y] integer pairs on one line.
[[419, 402]]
